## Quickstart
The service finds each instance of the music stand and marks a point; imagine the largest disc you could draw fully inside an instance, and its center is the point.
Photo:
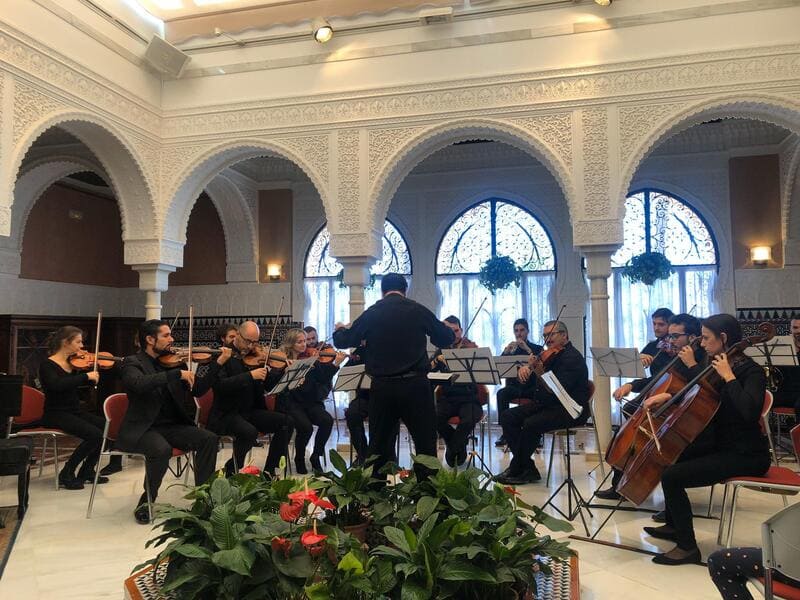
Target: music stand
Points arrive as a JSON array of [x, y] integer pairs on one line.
[[507, 364], [293, 376], [352, 379], [777, 352], [474, 365], [618, 362]]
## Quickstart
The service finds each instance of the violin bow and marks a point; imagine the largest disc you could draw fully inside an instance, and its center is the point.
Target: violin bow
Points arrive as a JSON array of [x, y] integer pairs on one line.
[[474, 316], [274, 328], [175, 321], [97, 342], [552, 329], [191, 330]]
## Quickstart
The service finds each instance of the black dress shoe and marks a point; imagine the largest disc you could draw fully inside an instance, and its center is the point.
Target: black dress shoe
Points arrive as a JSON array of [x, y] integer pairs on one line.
[[608, 494], [300, 466], [665, 532], [660, 516], [70, 483], [502, 475], [316, 464], [527, 476], [142, 515], [111, 468], [450, 457], [501, 441], [684, 558], [89, 478]]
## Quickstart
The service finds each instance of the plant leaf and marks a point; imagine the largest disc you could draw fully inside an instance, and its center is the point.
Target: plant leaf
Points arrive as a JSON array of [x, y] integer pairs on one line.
[[319, 590], [425, 506], [193, 551], [220, 491], [238, 559], [337, 461], [222, 527], [552, 523], [430, 462], [461, 570], [413, 591], [398, 538], [350, 562]]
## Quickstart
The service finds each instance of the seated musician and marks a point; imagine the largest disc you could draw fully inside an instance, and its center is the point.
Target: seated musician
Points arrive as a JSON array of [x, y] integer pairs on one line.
[[306, 403], [60, 383], [660, 320], [788, 392], [524, 425], [312, 337], [239, 407], [513, 390], [737, 447], [683, 330], [457, 400], [205, 374], [156, 422]]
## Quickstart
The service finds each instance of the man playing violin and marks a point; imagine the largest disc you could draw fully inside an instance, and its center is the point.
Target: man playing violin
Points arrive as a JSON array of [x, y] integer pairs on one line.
[[513, 389], [660, 319], [524, 425], [457, 400], [239, 407], [155, 422], [683, 330], [312, 337]]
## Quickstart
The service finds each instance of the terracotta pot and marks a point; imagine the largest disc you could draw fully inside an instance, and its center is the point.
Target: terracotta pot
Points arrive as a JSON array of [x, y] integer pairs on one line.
[[359, 530]]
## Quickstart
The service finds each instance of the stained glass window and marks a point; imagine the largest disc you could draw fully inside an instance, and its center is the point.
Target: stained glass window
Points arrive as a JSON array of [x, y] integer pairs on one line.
[[496, 227]]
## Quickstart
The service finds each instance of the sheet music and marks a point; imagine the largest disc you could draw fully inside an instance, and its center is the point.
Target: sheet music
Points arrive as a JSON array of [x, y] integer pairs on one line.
[[507, 364], [292, 376], [573, 408]]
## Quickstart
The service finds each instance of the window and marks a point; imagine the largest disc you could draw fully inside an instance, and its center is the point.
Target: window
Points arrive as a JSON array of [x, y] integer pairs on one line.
[[496, 227], [327, 298], [658, 222]]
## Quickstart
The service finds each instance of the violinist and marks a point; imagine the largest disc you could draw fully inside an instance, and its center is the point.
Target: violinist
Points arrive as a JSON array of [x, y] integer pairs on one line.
[[156, 422], [524, 425], [312, 337], [60, 383], [683, 330], [788, 392], [738, 447], [660, 319], [206, 374], [239, 408], [306, 403], [513, 389], [457, 400]]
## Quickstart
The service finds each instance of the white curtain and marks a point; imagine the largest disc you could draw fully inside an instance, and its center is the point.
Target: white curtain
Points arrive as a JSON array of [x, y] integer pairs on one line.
[[327, 303]]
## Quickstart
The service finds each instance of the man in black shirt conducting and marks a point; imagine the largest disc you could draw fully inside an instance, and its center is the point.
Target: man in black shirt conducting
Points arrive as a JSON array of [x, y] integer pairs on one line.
[[156, 422], [395, 329]]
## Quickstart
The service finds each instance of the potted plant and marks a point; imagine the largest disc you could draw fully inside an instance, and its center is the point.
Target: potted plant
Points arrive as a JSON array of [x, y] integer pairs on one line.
[[498, 273], [352, 492], [647, 268]]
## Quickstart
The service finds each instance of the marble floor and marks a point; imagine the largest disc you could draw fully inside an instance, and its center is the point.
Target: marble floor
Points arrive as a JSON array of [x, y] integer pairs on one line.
[[61, 554]]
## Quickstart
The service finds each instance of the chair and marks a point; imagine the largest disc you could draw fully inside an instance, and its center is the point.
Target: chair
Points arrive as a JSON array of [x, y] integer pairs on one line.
[[780, 412], [570, 431], [114, 408], [29, 418], [795, 435], [203, 406], [777, 480], [781, 553]]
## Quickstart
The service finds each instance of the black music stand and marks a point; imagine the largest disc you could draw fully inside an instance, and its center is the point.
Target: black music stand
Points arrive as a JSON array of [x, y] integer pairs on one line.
[[292, 377], [473, 365]]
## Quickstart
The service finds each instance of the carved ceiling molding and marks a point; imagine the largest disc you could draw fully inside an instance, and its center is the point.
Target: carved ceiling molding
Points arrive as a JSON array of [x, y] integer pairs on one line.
[[348, 197], [382, 145], [603, 232], [596, 164]]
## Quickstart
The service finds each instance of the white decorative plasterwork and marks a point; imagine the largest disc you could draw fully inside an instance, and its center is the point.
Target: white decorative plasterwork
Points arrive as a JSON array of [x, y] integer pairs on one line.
[[596, 195], [636, 121], [154, 252], [789, 169], [383, 143], [553, 129], [356, 245], [5, 220], [605, 232], [348, 196], [175, 160], [314, 149], [30, 106]]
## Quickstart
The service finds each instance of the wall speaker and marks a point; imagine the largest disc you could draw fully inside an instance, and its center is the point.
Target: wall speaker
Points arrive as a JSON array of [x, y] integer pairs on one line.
[[166, 58]]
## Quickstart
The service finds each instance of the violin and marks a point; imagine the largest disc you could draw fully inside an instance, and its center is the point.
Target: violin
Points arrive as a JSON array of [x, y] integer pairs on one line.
[[84, 361], [546, 356], [176, 357]]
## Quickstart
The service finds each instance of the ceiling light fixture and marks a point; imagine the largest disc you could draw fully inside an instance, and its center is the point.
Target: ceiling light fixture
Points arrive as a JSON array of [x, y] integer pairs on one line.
[[603, 2], [322, 30]]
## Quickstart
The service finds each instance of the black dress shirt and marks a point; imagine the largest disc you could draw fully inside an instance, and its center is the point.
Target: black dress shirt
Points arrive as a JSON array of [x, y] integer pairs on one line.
[[235, 390], [570, 369], [395, 329]]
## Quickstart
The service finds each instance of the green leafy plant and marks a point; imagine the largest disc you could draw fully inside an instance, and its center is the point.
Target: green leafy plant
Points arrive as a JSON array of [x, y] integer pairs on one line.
[[647, 268], [352, 490], [498, 273]]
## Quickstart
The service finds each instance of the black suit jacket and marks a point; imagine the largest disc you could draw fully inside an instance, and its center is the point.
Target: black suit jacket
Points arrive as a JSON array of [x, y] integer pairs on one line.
[[141, 380], [570, 369], [235, 390]]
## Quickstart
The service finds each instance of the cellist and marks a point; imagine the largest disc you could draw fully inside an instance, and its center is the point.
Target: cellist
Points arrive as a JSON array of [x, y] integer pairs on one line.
[[738, 446], [683, 330]]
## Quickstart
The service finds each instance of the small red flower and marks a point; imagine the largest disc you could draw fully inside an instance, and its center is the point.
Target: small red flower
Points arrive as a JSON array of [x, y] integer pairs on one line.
[[310, 496], [327, 505], [511, 490], [314, 542], [281, 544], [250, 470], [404, 473], [290, 512]]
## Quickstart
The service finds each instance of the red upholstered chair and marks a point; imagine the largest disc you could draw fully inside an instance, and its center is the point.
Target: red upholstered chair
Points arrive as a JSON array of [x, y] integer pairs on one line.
[[203, 406], [114, 408], [795, 435], [777, 480], [28, 421], [781, 412]]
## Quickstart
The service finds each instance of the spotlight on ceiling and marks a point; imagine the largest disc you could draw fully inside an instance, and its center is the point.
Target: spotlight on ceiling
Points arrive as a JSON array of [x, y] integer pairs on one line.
[[603, 2], [322, 30]]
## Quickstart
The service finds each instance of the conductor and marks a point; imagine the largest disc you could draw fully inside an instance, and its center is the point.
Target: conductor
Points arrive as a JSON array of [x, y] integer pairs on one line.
[[395, 329]]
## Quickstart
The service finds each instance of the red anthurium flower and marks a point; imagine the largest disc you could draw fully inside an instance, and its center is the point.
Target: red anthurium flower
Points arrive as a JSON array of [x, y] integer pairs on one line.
[[314, 542], [327, 505], [250, 470], [304, 495], [290, 512], [281, 544], [511, 490], [404, 473]]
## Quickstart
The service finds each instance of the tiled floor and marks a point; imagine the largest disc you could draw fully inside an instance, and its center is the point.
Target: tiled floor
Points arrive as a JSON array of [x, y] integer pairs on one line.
[[61, 554]]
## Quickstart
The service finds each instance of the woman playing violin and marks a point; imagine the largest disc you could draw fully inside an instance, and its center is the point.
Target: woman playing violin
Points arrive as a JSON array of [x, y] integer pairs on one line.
[[735, 446], [306, 403], [60, 383]]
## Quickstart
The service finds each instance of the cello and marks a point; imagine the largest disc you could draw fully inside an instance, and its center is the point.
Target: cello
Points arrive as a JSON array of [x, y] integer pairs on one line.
[[692, 409]]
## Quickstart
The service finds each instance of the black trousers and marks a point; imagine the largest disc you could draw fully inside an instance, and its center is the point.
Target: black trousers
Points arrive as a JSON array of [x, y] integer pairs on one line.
[[409, 399], [730, 569], [304, 416], [469, 413], [701, 471], [86, 426], [245, 430], [354, 415], [505, 396], [157, 444], [524, 426]]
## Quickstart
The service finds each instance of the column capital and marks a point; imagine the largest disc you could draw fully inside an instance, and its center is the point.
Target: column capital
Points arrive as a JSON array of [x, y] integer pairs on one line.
[[155, 277], [154, 252], [598, 261]]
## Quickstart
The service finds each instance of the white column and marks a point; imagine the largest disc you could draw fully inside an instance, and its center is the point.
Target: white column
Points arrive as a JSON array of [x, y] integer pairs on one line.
[[356, 278], [598, 265], [153, 279]]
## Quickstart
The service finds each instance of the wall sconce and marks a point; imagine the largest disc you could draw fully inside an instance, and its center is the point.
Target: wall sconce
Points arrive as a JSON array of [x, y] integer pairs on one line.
[[274, 271], [322, 30], [760, 255]]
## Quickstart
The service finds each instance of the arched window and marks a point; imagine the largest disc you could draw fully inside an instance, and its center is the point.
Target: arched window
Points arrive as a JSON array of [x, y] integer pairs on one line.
[[326, 295], [656, 221], [496, 227]]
